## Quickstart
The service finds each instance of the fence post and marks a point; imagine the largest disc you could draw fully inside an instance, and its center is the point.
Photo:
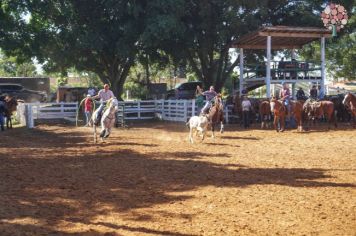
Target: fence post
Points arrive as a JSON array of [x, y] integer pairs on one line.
[[193, 107], [29, 121], [185, 110], [62, 108], [139, 110]]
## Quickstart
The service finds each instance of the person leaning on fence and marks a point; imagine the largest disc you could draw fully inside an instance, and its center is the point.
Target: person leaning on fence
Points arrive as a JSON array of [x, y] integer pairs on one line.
[[104, 95], [209, 95], [246, 108], [87, 109]]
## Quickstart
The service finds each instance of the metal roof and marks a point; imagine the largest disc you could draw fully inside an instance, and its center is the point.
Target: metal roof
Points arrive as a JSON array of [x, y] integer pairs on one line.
[[283, 37]]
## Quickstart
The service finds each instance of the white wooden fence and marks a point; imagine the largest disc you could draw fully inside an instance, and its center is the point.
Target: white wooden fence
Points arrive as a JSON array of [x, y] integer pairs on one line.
[[171, 110], [28, 112]]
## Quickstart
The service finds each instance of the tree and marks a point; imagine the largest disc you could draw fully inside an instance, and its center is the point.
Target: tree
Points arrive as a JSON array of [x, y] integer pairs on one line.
[[99, 36], [202, 32], [9, 66]]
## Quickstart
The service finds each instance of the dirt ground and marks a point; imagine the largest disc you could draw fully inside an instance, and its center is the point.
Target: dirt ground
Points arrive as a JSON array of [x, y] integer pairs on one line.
[[149, 180]]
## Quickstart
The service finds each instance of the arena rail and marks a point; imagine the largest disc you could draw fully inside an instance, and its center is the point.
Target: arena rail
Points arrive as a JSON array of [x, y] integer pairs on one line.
[[170, 110]]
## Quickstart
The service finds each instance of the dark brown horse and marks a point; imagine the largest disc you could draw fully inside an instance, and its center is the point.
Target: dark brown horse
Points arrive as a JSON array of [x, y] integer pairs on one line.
[[265, 114], [216, 115], [279, 111], [10, 107], [350, 103], [319, 109]]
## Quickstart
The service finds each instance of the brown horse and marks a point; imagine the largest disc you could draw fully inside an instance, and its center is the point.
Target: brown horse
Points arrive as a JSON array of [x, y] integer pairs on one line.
[[265, 114], [10, 107], [297, 113], [350, 103], [216, 115], [316, 110], [279, 110]]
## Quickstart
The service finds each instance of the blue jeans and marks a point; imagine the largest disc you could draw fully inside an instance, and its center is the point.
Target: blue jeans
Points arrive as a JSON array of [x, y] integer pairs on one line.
[[206, 107], [2, 122], [87, 117], [100, 110]]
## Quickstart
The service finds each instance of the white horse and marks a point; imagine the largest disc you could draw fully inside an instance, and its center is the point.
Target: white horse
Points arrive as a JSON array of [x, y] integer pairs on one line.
[[108, 119]]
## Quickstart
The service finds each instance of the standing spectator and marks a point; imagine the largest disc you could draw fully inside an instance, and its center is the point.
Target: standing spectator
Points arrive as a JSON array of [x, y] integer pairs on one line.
[[281, 66], [321, 93], [199, 98], [246, 108], [313, 92], [2, 113], [87, 109], [209, 94]]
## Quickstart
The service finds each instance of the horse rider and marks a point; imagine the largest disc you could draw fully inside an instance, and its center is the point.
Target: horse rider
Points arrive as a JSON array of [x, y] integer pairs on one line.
[[313, 93], [300, 94], [209, 95], [104, 95], [285, 97], [2, 112]]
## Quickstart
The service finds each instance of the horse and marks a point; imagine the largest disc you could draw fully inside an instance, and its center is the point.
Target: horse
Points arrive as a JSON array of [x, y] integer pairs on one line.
[[279, 110], [107, 121], [350, 103], [318, 109], [265, 114], [297, 113], [10, 107], [216, 115]]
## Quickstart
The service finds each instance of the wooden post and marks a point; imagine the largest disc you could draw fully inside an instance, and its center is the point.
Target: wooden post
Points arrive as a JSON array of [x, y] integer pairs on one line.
[[241, 70], [323, 75], [293, 90], [139, 110], [268, 67]]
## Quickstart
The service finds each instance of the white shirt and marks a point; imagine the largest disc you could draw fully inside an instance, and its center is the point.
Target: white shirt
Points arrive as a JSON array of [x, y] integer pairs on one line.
[[246, 105], [105, 95]]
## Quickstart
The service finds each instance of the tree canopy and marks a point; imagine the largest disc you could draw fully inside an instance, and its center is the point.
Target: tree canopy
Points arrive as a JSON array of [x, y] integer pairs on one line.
[[107, 37]]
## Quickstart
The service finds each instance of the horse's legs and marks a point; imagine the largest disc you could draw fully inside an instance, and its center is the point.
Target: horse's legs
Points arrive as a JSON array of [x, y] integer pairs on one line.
[[282, 121], [108, 132], [275, 123], [191, 135], [212, 130], [221, 127]]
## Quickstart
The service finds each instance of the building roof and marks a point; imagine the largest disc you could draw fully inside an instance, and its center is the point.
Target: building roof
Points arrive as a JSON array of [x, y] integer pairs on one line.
[[283, 37]]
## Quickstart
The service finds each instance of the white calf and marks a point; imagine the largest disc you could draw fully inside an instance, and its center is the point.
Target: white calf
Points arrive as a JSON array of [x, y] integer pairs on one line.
[[197, 123]]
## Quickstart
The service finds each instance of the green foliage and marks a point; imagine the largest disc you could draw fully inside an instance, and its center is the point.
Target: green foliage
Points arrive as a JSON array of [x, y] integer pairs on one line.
[[9, 67], [108, 37], [340, 52]]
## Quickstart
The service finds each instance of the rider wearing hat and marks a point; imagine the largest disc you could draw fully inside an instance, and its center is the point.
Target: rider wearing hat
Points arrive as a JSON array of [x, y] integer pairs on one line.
[[104, 95]]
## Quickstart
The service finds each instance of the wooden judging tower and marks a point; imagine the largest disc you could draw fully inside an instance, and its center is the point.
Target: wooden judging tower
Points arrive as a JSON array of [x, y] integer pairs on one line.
[[279, 38]]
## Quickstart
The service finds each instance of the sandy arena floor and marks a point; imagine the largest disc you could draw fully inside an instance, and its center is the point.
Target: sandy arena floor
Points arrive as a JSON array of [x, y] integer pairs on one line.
[[149, 180]]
